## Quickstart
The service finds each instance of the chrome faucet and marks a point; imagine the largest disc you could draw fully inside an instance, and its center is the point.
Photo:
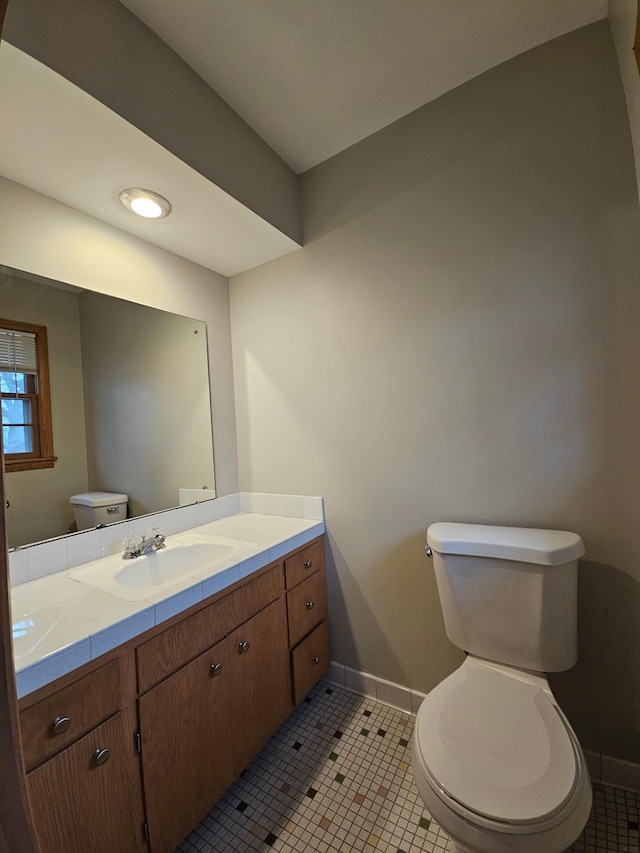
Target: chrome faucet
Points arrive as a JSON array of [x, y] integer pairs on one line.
[[138, 546]]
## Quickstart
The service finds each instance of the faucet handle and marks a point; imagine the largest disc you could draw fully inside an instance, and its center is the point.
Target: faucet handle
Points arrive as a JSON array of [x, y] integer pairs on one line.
[[156, 536], [131, 545]]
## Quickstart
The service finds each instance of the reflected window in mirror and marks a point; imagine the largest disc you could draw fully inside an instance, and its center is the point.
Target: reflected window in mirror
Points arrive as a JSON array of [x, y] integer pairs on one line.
[[26, 402], [130, 405]]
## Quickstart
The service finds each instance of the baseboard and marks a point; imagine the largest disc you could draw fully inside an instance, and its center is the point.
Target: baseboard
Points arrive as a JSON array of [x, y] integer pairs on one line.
[[616, 772], [603, 768], [369, 685]]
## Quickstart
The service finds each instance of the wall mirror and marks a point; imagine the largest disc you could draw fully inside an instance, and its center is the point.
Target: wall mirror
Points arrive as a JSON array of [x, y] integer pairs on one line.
[[130, 405]]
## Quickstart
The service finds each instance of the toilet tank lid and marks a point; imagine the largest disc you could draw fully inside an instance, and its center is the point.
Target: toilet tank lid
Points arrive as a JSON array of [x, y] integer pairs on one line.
[[522, 544], [98, 499]]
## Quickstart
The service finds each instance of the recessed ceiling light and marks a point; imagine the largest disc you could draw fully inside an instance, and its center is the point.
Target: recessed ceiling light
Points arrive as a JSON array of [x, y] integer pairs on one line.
[[145, 203]]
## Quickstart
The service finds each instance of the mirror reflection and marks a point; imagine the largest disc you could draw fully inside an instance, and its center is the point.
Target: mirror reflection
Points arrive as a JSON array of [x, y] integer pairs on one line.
[[130, 406]]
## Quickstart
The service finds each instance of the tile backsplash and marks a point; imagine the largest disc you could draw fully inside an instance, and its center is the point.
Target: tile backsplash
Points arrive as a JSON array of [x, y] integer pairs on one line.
[[30, 562]]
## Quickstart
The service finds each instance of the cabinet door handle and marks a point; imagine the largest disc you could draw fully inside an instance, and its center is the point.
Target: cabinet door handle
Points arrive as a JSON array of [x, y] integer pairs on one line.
[[310, 605], [101, 756], [243, 647], [315, 659], [216, 669], [308, 564], [61, 724]]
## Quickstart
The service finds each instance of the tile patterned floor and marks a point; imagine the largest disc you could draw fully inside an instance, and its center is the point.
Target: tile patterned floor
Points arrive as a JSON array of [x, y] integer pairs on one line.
[[613, 824], [337, 777]]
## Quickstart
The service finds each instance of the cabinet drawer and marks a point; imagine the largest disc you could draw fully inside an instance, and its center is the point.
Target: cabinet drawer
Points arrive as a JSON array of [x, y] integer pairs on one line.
[[179, 644], [304, 563], [310, 660], [306, 606], [58, 720]]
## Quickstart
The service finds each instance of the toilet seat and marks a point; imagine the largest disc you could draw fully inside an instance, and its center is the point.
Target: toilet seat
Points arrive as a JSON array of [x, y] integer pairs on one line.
[[493, 743]]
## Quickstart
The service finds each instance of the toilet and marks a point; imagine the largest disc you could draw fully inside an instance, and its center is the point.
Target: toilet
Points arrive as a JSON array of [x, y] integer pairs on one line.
[[495, 760], [98, 508]]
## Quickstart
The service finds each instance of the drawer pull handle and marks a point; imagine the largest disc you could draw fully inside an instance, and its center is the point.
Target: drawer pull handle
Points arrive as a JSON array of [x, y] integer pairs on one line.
[[310, 605], [101, 756], [315, 659], [61, 724], [243, 647], [216, 669], [308, 564]]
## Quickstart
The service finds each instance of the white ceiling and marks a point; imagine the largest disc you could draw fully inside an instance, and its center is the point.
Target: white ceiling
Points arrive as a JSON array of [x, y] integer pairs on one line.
[[311, 77]]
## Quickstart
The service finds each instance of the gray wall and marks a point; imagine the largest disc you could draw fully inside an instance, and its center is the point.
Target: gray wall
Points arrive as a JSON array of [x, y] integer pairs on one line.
[[458, 341]]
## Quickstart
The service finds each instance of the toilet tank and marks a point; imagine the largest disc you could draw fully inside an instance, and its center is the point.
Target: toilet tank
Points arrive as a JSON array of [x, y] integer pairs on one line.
[[509, 594], [93, 508]]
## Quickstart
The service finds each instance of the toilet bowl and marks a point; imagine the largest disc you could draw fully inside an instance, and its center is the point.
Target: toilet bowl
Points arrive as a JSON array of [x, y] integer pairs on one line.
[[497, 763], [494, 758]]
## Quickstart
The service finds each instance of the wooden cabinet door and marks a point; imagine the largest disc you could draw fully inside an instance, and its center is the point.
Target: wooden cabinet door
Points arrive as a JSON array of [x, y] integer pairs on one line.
[[201, 726], [87, 800], [186, 725], [262, 698]]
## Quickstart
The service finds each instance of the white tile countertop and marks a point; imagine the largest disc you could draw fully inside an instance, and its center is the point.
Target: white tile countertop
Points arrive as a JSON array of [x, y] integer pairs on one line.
[[60, 624]]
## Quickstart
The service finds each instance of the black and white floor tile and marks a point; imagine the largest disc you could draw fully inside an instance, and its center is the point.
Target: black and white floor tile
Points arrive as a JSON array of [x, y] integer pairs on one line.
[[337, 776]]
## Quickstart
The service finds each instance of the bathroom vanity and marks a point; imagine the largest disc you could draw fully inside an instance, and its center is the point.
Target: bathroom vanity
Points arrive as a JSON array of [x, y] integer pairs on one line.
[[129, 751]]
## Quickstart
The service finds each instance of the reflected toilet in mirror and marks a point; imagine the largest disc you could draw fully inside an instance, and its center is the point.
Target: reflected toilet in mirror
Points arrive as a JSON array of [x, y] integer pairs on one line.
[[92, 509]]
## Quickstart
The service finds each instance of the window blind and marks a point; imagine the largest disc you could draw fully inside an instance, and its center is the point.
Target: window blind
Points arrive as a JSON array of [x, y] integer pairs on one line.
[[18, 351]]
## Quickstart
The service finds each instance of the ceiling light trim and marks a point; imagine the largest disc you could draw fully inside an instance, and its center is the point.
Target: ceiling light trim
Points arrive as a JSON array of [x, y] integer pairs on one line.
[[145, 204]]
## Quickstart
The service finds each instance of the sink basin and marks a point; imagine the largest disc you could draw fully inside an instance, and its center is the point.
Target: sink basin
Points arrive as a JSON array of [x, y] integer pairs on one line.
[[184, 556]]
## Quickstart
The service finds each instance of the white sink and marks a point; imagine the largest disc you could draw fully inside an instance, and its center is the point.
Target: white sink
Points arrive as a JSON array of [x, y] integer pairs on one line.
[[184, 555]]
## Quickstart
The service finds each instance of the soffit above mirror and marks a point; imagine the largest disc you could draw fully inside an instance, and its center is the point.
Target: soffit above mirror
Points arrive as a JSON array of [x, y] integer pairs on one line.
[[60, 141]]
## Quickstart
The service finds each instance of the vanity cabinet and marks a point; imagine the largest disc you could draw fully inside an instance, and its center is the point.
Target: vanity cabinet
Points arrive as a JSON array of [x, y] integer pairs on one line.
[[60, 719], [309, 660], [186, 638], [177, 713], [307, 614], [306, 606], [203, 725], [88, 797], [301, 565]]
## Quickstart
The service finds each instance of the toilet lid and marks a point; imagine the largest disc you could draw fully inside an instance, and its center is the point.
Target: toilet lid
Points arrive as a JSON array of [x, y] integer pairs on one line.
[[496, 744]]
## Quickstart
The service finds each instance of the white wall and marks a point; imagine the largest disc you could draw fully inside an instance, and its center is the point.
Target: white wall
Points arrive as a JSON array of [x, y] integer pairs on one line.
[[458, 341], [49, 239]]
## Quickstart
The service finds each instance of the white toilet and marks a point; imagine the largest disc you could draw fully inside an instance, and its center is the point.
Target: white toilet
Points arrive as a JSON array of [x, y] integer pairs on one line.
[[494, 758], [93, 509]]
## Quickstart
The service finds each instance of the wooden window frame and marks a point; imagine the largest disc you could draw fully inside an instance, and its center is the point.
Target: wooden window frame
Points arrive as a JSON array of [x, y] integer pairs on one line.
[[42, 420]]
